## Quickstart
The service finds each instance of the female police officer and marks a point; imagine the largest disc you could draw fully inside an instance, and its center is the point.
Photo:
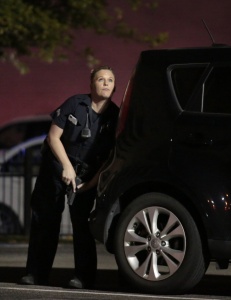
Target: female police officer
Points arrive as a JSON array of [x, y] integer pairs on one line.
[[79, 141]]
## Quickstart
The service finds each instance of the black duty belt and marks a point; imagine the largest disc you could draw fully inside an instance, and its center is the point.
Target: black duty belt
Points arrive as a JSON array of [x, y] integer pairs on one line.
[[81, 168]]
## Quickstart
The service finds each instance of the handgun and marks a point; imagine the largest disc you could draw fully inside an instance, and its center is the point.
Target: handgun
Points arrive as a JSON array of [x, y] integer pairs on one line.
[[70, 193]]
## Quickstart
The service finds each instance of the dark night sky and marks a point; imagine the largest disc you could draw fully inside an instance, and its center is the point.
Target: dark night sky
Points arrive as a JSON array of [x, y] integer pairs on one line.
[[46, 86]]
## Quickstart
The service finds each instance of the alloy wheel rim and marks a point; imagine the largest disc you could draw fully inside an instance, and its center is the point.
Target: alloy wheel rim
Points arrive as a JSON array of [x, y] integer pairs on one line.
[[155, 243]]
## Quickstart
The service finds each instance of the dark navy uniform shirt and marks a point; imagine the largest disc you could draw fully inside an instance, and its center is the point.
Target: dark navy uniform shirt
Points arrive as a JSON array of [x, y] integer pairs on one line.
[[71, 116]]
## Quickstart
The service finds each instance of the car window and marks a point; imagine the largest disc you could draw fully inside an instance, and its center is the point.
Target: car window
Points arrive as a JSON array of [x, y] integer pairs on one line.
[[12, 135], [15, 134], [16, 165], [184, 80], [217, 91]]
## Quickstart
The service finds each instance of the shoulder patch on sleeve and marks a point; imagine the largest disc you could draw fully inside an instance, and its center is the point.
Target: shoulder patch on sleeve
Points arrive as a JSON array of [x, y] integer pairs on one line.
[[58, 111]]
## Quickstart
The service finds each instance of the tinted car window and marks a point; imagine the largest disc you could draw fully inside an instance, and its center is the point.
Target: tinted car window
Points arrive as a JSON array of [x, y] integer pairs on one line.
[[16, 164], [185, 79], [14, 134], [217, 91]]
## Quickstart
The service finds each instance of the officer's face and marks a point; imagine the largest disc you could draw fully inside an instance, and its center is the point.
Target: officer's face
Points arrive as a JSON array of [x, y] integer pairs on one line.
[[103, 84]]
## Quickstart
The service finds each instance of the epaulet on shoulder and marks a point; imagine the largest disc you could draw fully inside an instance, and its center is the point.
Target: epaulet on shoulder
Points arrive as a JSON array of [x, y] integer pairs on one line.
[[114, 108], [80, 98], [114, 105]]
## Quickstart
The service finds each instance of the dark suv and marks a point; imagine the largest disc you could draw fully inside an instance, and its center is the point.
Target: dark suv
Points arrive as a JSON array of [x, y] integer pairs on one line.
[[164, 198]]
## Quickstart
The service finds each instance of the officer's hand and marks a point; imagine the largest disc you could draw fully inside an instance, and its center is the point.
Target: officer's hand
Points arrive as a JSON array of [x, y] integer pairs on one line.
[[73, 183], [68, 177], [85, 186], [80, 185]]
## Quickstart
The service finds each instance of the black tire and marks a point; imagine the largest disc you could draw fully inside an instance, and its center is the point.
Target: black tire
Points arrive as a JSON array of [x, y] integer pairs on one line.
[[152, 258], [9, 222]]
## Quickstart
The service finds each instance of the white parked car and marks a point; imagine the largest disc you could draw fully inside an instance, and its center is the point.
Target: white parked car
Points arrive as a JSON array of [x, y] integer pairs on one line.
[[20, 156]]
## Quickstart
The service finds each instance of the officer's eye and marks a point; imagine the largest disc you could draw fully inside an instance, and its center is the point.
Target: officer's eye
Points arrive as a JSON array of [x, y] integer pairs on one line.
[[110, 80]]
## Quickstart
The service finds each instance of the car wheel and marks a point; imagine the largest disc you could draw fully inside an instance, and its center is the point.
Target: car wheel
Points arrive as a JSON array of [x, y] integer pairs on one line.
[[158, 248], [9, 222]]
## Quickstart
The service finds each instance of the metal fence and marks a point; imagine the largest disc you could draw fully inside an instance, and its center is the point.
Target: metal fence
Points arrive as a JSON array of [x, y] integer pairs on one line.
[[17, 179]]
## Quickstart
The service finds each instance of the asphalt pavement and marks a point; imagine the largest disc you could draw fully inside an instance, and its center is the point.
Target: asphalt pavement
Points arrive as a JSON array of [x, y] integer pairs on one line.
[[13, 256]]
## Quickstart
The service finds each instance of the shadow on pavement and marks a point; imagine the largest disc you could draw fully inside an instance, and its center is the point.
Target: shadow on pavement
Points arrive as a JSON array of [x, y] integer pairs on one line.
[[214, 285], [108, 280]]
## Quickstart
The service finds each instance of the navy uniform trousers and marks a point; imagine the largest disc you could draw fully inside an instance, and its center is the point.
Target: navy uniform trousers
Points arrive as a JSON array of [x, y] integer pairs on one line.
[[47, 202]]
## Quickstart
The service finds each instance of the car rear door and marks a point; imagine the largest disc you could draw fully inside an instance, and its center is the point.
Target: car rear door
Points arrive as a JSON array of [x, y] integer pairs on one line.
[[200, 155]]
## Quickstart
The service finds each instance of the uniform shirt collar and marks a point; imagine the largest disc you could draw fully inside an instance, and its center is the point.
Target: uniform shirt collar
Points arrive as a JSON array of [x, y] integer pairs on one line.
[[85, 99]]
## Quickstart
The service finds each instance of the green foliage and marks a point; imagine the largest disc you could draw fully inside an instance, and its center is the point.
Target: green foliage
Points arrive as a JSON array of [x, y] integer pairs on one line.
[[136, 4], [47, 28]]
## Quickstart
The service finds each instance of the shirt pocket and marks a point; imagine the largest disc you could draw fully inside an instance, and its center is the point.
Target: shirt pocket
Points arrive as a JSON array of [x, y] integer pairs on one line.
[[72, 129]]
